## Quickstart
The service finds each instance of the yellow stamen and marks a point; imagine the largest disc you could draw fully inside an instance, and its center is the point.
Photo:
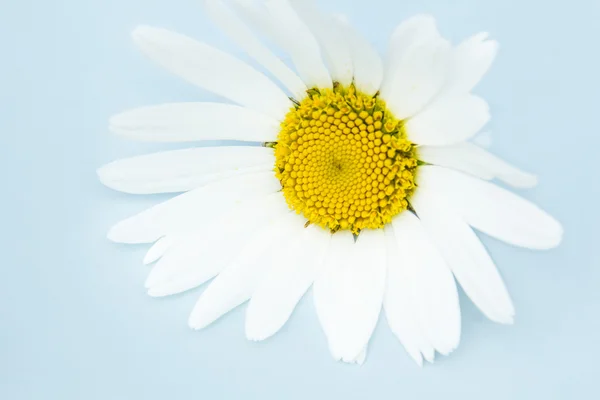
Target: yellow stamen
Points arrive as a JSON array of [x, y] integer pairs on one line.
[[344, 161]]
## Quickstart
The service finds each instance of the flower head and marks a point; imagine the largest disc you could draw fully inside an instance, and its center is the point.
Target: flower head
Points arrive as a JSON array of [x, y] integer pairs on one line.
[[366, 187]]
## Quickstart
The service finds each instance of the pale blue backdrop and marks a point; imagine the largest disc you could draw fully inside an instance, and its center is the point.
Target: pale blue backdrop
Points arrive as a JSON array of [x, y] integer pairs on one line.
[[75, 322]]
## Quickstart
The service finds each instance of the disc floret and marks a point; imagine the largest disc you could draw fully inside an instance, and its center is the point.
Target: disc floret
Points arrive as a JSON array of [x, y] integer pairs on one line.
[[344, 161]]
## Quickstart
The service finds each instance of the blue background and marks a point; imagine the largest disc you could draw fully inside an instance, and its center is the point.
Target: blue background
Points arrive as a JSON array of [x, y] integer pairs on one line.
[[75, 322]]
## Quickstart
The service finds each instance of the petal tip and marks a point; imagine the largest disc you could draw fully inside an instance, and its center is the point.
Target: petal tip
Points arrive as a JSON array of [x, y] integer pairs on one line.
[[118, 233], [554, 237], [559, 234], [418, 359], [114, 235], [149, 259], [158, 291], [525, 181], [508, 319], [252, 333], [198, 320], [101, 173], [195, 325], [422, 17], [105, 175], [255, 336], [150, 281], [118, 123], [140, 31], [113, 121]]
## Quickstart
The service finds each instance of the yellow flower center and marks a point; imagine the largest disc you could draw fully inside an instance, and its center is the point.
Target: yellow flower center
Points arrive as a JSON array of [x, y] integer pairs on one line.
[[343, 160]]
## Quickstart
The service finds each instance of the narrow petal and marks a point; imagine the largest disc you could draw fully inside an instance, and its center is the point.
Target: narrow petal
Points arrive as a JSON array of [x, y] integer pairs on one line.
[[278, 20], [199, 256], [183, 267], [398, 304], [212, 70], [471, 159], [158, 249], [240, 279], [434, 299], [235, 28], [414, 30], [368, 66], [186, 122], [451, 120], [471, 60], [418, 77], [254, 13], [361, 357], [463, 252], [334, 44], [282, 287], [349, 293], [456, 157], [183, 170], [493, 210], [195, 208]]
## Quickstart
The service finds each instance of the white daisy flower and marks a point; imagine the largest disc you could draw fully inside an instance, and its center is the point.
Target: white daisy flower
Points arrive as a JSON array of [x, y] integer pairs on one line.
[[366, 187]]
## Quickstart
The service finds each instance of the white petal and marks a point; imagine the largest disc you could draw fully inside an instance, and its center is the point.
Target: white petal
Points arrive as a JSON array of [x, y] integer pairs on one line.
[[472, 159], [414, 30], [300, 44], [418, 77], [158, 249], [334, 44], [361, 357], [454, 156], [368, 66], [470, 61], [430, 282], [239, 280], [199, 256], [398, 304], [448, 121], [183, 267], [255, 14], [182, 170], [279, 21], [193, 209], [231, 24], [186, 122], [493, 210], [349, 292], [282, 287], [212, 70], [463, 252]]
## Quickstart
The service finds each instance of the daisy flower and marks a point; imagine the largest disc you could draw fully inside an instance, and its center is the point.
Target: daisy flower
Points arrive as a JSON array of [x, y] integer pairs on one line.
[[365, 186]]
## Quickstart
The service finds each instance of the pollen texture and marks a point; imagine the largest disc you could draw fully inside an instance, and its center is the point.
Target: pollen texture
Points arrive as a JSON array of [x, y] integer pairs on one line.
[[343, 160]]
